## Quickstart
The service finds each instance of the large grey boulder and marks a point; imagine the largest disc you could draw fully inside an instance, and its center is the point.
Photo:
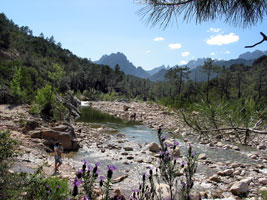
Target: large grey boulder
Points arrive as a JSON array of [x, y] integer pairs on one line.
[[239, 188], [62, 133]]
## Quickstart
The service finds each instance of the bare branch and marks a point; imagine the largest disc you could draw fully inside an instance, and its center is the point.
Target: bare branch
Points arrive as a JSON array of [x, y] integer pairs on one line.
[[237, 129], [264, 39], [257, 123]]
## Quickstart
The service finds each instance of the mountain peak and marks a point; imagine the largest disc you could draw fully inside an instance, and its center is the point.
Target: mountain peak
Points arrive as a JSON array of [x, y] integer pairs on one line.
[[252, 55], [125, 65]]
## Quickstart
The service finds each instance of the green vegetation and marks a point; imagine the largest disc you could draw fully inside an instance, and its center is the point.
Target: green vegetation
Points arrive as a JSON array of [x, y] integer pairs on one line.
[[50, 72], [26, 186]]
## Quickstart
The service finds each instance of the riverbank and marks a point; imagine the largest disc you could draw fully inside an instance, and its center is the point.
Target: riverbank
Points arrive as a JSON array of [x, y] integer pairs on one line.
[[101, 143]]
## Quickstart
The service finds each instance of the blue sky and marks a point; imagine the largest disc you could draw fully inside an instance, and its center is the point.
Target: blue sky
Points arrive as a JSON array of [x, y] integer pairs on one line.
[[93, 28]]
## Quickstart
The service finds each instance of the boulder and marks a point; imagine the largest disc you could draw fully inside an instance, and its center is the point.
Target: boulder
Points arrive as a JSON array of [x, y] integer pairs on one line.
[[176, 152], [202, 156], [263, 189], [247, 180], [154, 147], [215, 178], [261, 147], [239, 188], [228, 172], [62, 133], [195, 196], [125, 108], [263, 181], [164, 188], [128, 148]]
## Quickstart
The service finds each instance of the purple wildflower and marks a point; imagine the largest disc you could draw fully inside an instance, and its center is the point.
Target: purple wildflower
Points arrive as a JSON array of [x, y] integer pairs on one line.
[[144, 177], [79, 174], [163, 138], [95, 168], [84, 166], [102, 178], [97, 164], [58, 187], [175, 144], [76, 182], [111, 168], [190, 150], [182, 164], [175, 159]]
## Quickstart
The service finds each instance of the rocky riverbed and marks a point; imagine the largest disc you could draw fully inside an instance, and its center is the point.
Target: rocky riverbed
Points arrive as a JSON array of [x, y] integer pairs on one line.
[[220, 179]]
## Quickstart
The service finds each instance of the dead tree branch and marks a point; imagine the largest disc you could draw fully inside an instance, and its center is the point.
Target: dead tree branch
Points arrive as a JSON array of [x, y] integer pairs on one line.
[[264, 39]]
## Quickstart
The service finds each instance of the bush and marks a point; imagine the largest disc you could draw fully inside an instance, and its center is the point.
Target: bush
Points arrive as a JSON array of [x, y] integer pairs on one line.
[[36, 186], [6, 152]]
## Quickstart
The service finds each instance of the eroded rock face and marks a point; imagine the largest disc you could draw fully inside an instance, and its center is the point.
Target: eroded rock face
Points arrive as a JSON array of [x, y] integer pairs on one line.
[[30, 125], [62, 133]]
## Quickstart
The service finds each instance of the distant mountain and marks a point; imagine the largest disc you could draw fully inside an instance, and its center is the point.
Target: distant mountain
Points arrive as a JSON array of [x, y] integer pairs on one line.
[[158, 73], [195, 67], [159, 76], [198, 76], [192, 64], [125, 65], [157, 69], [252, 55]]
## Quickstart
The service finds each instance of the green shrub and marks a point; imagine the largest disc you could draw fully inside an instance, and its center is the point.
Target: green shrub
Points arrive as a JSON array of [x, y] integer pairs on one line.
[[37, 186], [43, 101], [6, 152]]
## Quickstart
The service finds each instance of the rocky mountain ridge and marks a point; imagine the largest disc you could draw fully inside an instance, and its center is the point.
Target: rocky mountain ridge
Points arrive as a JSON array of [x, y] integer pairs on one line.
[[157, 73]]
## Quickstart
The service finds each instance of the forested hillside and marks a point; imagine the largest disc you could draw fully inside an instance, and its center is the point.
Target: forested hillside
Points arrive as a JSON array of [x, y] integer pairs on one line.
[[29, 63], [36, 57]]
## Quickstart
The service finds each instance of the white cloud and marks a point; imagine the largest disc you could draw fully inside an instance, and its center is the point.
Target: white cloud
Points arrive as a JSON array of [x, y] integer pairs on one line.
[[186, 53], [183, 62], [222, 39], [212, 54], [227, 52], [175, 46], [148, 51], [157, 39], [214, 30]]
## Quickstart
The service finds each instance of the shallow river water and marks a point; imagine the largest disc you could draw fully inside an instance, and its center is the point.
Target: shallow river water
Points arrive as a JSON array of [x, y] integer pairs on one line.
[[139, 136]]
